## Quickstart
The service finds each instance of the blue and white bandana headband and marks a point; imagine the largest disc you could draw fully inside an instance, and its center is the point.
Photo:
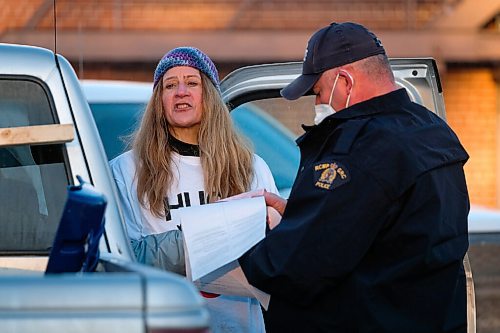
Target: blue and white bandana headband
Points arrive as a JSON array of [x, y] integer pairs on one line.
[[187, 56]]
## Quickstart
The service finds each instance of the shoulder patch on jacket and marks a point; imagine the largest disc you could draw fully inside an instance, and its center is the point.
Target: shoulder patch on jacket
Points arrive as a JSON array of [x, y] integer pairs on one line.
[[330, 175]]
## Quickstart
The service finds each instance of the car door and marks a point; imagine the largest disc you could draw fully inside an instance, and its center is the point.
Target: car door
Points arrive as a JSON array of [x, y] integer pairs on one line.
[[258, 88]]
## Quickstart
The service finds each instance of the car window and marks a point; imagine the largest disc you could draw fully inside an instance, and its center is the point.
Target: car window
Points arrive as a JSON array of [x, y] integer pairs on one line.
[[293, 114], [33, 178], [271, 141], [115, 122]]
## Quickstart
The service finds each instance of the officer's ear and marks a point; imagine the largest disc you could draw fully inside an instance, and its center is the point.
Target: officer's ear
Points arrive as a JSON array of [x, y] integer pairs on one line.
[[348, 78]]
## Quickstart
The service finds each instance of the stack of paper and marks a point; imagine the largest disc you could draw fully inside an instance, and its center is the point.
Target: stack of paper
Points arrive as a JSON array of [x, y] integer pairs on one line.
[[215, 236]]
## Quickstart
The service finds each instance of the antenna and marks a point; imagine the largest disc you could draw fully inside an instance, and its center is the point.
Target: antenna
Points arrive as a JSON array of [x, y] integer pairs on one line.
[[55, 28]]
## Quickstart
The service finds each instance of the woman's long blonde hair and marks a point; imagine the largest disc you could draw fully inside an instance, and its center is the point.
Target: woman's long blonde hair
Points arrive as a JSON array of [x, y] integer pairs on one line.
[[226, 158]]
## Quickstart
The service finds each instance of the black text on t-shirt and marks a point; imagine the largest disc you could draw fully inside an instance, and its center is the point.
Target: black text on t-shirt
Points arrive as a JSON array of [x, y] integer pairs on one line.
[[183, 200]]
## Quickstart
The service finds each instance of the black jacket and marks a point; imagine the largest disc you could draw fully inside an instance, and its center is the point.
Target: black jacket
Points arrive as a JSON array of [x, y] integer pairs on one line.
[[375, 229]]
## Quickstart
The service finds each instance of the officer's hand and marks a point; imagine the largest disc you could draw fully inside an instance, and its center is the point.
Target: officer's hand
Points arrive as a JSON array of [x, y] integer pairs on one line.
[[273, 217], [275, 201]]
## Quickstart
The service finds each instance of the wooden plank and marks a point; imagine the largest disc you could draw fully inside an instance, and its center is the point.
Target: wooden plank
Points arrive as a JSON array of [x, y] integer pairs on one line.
[[40, 134]]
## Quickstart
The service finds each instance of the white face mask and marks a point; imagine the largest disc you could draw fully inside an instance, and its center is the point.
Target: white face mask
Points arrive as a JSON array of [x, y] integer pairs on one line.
[[324, 110]]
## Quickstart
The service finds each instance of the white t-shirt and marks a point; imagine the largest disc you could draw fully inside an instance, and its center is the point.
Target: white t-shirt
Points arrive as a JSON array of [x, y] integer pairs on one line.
[[228, 313]]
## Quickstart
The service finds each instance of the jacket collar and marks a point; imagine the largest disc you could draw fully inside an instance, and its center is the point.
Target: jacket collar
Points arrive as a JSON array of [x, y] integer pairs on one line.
[[390, 101], [395, 100]]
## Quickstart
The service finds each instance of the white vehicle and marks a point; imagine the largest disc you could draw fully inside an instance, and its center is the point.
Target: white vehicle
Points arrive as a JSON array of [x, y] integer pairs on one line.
[[47, 138], [483, 220]]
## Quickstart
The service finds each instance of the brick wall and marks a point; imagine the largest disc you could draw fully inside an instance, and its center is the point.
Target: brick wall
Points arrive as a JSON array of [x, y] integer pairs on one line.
[[115, 71], [130, 71], [471, 97]]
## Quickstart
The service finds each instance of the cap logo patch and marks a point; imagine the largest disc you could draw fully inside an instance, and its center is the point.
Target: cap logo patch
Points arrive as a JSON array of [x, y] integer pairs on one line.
[[330, 175], [305, 54]]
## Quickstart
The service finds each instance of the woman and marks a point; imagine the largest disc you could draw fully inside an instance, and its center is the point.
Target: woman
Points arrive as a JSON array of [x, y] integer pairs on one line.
[[186, 152]]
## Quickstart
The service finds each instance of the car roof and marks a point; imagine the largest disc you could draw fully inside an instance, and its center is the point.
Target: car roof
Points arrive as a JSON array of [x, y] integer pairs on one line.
[[112, 91]]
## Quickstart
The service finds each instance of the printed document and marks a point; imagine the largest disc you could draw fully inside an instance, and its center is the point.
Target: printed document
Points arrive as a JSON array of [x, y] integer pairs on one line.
[[215, 236], [218, 233]]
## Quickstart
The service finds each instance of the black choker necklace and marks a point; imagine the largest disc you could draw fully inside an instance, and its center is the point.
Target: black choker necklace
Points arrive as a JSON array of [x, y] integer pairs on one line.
[[183, 148]]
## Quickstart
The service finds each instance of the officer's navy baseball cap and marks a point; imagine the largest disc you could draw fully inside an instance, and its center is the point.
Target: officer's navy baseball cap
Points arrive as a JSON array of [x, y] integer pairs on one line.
[[333, 46]]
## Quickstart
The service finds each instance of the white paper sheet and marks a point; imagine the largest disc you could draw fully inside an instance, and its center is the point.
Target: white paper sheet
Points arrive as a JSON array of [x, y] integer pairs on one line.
[[219, 233], [230, 280]]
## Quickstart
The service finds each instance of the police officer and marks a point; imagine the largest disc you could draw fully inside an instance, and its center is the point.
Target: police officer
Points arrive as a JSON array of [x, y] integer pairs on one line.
[[374, 232]]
